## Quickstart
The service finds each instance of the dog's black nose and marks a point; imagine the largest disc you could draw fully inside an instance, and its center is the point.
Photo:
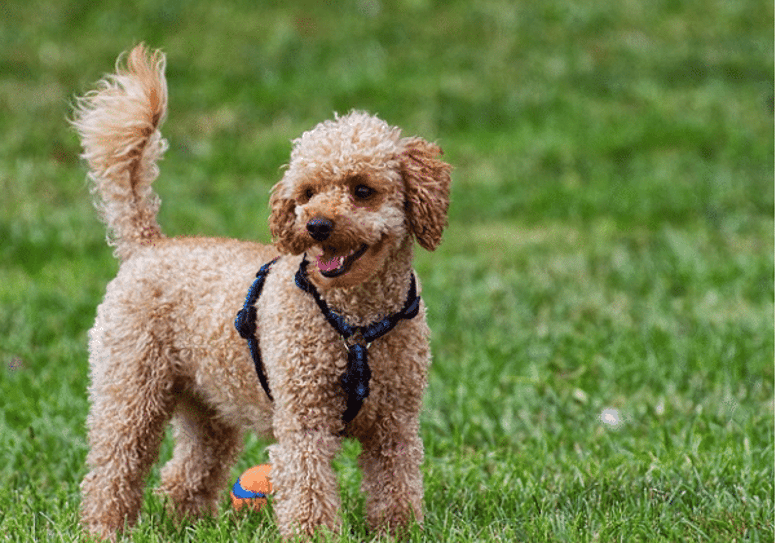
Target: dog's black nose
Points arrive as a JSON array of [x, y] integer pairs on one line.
[[319, 228]]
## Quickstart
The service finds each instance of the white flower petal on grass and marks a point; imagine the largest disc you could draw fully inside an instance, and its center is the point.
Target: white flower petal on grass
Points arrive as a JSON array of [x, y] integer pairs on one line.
[[611, 417]]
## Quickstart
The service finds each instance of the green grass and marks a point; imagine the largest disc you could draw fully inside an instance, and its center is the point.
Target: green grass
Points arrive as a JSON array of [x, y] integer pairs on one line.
[[610, 246]]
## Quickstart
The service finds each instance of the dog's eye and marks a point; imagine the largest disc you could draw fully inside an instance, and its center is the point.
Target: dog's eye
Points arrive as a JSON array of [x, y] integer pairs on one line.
[[362, 192], [308, 194]]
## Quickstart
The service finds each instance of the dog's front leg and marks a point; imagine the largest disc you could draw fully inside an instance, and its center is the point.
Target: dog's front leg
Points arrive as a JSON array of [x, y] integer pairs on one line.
[[392, 479], [306, 490]]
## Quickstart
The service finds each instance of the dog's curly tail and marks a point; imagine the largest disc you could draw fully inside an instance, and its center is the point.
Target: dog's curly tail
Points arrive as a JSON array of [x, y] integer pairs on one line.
[[119, 128]]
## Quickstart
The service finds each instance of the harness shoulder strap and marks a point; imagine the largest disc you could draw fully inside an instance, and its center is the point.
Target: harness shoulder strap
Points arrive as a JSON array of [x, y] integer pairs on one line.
[[245, 323]]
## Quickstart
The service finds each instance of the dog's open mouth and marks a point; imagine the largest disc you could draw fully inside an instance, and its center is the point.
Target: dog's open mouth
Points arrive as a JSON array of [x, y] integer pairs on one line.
[[339, 265]]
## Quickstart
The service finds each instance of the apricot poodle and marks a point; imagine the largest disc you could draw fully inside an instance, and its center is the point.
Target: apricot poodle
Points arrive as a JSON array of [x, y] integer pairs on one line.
[[333, 341]]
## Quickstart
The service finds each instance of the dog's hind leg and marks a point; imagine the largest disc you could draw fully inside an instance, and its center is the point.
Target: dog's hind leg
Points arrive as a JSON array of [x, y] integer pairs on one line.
[[131, 403], [205, 450]]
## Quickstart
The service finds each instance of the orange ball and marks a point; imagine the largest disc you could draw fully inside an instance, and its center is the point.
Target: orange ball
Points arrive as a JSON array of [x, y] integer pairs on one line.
[[252, 488]]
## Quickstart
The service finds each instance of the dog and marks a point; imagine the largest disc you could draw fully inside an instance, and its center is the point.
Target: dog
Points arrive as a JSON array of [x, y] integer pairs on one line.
[[165, 346]]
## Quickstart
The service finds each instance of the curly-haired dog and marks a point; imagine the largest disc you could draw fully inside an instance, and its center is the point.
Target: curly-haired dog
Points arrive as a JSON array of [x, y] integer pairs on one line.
[[164, 346]]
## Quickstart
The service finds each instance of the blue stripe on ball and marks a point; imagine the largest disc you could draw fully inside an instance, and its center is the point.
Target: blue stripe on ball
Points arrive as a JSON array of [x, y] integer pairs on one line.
[[240, 492]]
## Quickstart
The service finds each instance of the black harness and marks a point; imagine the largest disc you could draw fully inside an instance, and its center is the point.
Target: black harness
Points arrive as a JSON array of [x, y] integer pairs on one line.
[[355, 380]]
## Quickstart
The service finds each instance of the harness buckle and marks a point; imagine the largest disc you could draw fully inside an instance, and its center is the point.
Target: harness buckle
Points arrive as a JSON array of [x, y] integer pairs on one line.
[[356, 339]]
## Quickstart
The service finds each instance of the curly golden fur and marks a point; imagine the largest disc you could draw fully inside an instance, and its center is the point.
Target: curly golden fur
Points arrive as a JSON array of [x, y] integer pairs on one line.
[[354, 197]]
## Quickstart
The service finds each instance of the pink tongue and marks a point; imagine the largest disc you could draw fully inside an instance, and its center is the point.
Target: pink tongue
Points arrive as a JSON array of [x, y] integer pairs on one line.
[[328, 265]]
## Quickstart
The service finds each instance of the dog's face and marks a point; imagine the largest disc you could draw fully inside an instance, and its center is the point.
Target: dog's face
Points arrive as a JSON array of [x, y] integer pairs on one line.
[[354, 191]]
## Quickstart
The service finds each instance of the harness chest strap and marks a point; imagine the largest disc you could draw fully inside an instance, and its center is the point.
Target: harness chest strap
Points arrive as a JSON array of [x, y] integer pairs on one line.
[[355, 380]]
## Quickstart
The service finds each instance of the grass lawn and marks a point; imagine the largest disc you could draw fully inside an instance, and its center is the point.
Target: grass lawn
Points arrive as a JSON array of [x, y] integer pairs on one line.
[[602, 305]]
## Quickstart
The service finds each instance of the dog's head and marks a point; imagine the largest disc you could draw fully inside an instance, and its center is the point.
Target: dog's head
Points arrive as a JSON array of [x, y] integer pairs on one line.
[[353, 192]]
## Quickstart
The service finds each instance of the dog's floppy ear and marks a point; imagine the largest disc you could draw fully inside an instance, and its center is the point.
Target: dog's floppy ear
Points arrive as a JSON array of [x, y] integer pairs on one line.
[[281, 218], [427, 189]]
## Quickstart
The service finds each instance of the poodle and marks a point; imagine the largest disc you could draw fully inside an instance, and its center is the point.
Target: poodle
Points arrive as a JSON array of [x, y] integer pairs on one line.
[[332, 328]]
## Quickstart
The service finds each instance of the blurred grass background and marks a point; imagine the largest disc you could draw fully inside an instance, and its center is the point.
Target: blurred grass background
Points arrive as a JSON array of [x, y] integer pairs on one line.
[[602, 304]]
